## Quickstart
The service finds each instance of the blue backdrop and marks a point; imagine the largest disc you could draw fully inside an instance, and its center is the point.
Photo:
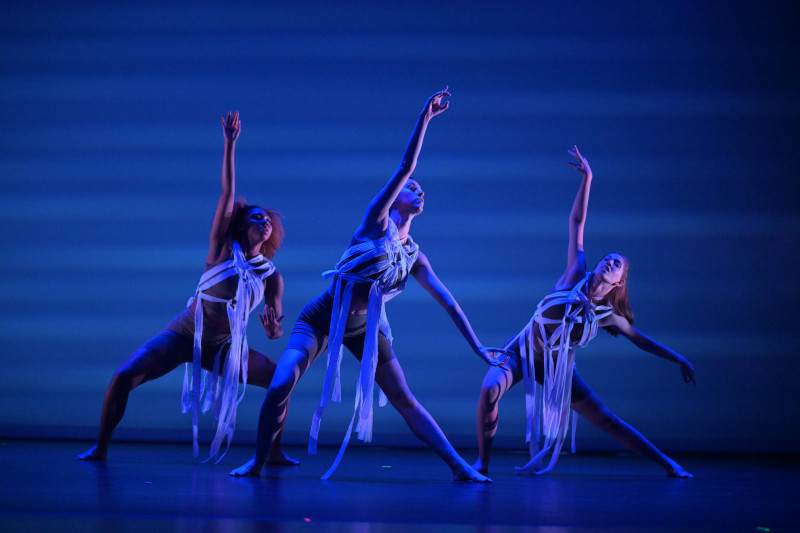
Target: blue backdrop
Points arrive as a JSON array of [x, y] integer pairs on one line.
[[687, 112]]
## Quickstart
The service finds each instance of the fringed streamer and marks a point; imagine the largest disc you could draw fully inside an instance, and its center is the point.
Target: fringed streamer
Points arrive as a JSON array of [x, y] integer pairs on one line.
[[383, 264], [343, 447], [219, 391], [369, 363], [331, 387], [548, 407]]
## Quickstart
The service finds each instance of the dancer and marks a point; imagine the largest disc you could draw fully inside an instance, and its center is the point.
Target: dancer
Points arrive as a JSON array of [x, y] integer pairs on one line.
[[372, 270], [211, 333], [543, 354]]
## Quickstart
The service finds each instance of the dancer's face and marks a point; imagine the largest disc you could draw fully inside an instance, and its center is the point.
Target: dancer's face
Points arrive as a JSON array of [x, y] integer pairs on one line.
[[412, 197], [257, 226], [611, 269]]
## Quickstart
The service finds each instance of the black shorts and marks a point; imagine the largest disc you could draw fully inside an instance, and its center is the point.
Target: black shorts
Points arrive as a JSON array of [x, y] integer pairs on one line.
[[315, 322]]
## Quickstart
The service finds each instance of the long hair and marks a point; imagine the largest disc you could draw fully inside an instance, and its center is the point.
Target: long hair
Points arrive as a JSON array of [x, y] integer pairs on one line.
[[241, 210], [619, 300]]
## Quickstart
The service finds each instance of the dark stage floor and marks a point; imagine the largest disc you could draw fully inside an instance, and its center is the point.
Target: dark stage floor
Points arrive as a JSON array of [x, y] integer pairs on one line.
[[159, 487]]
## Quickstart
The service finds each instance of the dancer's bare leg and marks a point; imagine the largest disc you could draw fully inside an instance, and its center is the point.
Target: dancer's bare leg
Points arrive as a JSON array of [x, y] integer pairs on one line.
[[272, 418], [593, 410], [156, 357], [496, 382], [260, 371], [391, 380]]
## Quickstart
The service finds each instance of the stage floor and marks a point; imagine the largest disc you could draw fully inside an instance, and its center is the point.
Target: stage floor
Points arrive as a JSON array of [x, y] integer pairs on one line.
[[159, 487]]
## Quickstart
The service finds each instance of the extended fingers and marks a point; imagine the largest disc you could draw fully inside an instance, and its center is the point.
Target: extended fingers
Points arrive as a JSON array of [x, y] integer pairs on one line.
[[580, 162], [231, 120], [577, 155], [271, 315]]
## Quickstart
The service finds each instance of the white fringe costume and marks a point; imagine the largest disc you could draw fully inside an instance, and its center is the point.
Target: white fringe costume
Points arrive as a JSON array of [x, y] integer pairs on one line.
[[214, 390], [548, 406], [384, 264]]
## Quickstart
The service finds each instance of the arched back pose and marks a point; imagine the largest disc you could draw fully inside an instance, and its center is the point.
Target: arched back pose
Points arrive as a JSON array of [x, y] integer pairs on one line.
[[544, 353], [211, 333], [372, 270]]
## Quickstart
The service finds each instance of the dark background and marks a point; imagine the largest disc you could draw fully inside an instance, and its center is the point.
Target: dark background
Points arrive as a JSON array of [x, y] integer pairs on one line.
[[111, 151]]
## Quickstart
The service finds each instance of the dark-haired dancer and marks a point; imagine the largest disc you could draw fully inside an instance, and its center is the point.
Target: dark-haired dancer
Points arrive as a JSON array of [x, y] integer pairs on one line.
[[211, 333], [544, 354], [372, 270]]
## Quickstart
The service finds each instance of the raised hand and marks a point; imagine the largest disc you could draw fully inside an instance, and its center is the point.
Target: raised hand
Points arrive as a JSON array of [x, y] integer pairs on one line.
[[580, 162], [434, 105], [231, 126]]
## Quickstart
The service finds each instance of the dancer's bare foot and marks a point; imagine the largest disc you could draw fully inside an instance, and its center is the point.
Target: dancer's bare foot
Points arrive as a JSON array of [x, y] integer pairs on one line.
[[280, 459], [467, 473], [250, 468], [480, 468], [532, 467], [678, 471], [92, 454]]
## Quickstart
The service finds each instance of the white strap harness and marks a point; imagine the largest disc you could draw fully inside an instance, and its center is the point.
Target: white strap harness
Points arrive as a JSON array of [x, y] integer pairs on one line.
[[214, 390], [383, 263], [548, 406]]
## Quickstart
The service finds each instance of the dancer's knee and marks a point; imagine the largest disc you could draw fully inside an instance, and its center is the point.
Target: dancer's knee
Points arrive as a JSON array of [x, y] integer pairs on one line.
[[491, 394], [278, 393], [281, 387], [125, 379], [403, 400]]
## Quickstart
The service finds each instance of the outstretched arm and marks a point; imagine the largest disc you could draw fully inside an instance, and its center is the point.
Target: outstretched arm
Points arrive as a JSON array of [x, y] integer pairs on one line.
[[423, 273], [643, 342], [375, 218], [218, 240], [576, 259]]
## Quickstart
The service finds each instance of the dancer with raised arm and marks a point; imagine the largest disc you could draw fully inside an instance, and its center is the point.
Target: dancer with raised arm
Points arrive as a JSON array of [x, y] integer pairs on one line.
[[351, 312], [543, 354], [211, 333]]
